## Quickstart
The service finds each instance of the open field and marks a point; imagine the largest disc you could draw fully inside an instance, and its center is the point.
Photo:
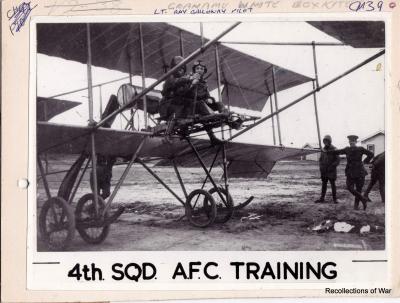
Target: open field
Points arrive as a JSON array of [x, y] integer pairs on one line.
[[280, 217]]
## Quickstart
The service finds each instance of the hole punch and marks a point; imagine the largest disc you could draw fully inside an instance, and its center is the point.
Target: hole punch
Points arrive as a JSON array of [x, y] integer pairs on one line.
[[23, 183]]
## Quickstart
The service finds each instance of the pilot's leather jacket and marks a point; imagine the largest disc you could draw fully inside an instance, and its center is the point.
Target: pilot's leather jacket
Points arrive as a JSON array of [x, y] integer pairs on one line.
[[328, 163]]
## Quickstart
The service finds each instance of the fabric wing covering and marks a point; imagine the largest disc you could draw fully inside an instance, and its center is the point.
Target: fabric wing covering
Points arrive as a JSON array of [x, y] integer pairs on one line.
[[358, 34], [245, 160], [116, 46], [47, 108]]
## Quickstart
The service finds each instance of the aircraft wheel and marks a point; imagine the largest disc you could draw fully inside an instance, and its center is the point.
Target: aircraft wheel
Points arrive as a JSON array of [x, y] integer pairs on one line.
[[200, 208], [224, 209], [57, 223], [86, 220]]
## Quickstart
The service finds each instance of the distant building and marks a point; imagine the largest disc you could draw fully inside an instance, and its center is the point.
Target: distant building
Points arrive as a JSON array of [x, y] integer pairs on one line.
[[375, 142], [311, 157]]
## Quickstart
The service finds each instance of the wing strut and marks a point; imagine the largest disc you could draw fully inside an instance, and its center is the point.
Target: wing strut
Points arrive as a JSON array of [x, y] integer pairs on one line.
[[143, 75], [91, 120], [278, 124], [316, 85]]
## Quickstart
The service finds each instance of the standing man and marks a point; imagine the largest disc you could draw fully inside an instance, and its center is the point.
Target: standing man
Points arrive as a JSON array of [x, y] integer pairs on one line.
[[327, 166], [355, 171], [377, 174]]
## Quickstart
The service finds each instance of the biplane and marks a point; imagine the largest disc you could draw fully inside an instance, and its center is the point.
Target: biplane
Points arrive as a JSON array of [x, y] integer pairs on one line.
[[241, 81]]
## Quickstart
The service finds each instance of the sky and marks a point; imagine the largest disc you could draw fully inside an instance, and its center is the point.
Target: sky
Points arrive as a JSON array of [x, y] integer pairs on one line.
[[352, 105]]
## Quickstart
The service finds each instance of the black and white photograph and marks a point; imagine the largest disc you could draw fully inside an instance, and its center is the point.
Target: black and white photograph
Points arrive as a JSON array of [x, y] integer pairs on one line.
[[264, 135]]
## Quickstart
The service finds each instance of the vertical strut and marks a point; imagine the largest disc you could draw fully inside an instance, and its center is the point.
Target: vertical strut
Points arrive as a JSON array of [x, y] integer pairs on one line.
[[201, 34], [181, 48], [91, 121], [272, 119], [130, 65], [46, 160], [315, 64], [276, 105], [89, 72], [101, 101], [143, 74], [94, 172], [225, 168], [131, 120], [316, 116], [316, 86], [217, 68]]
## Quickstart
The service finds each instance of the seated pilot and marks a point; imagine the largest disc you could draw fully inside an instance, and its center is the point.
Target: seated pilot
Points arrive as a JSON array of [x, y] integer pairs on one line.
[[198, 99], [172, 103]]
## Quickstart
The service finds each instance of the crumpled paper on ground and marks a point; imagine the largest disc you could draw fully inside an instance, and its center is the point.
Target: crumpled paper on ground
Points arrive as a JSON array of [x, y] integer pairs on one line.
[[365, 229], [323, 226], [251, 217], [342, 227]]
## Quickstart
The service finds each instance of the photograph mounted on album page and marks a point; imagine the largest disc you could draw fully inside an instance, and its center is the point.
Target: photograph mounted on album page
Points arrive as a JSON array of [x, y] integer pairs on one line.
[[221, 149]]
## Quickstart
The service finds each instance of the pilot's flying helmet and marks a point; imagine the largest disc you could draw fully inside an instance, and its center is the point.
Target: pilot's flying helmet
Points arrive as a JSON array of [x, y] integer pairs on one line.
[[197, 63], [327, 138], [176, 60]]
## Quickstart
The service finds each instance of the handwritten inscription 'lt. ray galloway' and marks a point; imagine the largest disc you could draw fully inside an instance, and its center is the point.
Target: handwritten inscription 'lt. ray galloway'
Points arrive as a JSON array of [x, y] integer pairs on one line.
[[18, 15]]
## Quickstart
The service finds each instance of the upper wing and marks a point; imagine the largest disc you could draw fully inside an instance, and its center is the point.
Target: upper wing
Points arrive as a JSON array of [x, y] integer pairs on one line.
[[116, 46], [47, 108], [359, 34]]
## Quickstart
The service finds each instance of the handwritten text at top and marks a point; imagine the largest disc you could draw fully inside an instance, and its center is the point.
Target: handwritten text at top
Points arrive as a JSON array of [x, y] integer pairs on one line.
[[18, 15]]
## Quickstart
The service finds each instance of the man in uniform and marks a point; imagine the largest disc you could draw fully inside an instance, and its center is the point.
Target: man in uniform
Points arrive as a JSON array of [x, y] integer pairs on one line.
[[104, 174], [180, 92], [355, 171], [200, 101], [172, 103], [377, 175], [327, 166], [105, 163]]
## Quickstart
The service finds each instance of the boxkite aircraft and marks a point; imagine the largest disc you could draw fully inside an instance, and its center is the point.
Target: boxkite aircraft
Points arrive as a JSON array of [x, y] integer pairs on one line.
[[144, 49]]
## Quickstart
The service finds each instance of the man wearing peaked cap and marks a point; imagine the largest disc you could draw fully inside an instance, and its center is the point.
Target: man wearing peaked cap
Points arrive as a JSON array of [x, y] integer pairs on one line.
[[352, 138], [327, 166], [355, 171]]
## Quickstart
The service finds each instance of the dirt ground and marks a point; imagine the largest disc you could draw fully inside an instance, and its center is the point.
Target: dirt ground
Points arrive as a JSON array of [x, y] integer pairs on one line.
[[281, 216]]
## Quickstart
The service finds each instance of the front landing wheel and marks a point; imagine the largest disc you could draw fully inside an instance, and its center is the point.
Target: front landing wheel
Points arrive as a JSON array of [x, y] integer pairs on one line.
[[195, 209], [89, 225], [224, 208], [57, 223]]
